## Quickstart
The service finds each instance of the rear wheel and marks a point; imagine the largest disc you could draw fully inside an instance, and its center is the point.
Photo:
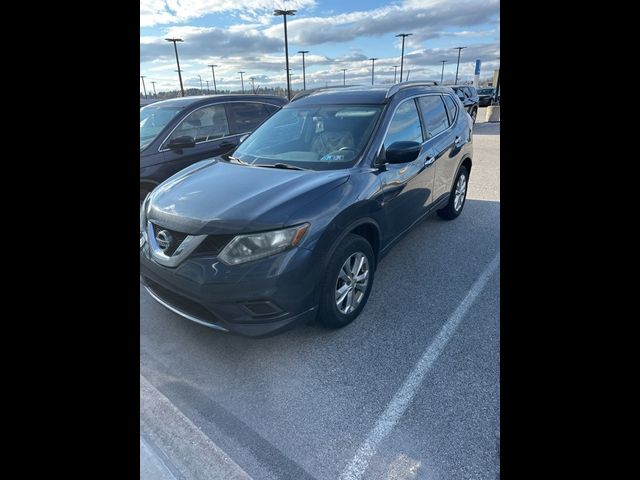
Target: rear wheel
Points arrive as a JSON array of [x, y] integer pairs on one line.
[[348, 281], [457, 197]]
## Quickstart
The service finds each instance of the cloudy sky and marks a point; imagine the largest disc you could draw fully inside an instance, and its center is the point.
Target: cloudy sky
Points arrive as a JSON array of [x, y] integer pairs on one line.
[[244, 35]]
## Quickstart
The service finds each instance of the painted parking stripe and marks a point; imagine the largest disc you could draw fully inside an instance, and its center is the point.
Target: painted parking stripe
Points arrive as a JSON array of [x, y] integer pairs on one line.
[[398, 404]]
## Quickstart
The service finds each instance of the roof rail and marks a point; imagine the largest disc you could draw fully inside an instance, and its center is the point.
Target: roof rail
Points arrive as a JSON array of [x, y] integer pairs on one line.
[[413, 83], [305, 93]]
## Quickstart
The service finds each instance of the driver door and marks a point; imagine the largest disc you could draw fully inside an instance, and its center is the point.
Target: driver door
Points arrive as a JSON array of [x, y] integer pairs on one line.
[[406, 187], [210, 129]]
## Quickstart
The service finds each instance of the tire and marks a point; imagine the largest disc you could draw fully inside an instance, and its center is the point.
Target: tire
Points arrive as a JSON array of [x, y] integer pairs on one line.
[[332, 314], [450, 211]]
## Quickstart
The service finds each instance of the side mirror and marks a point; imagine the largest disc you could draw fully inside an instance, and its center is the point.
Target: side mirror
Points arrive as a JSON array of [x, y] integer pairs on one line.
[[185, 141], [402, 152]]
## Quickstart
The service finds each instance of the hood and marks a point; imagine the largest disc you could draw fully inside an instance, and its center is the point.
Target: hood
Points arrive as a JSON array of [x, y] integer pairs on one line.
[[217, 197]]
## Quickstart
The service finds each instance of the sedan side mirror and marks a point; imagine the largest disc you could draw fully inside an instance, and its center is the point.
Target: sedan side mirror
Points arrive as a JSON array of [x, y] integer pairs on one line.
[[185, 141], [402, 152]]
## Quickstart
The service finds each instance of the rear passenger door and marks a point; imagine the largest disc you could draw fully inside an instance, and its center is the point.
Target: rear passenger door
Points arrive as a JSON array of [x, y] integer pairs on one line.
[[244, 117], [439, 114]]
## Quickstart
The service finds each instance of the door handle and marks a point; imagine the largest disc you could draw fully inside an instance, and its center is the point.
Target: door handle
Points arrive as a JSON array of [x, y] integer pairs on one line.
[[429, 160], [458, 141]]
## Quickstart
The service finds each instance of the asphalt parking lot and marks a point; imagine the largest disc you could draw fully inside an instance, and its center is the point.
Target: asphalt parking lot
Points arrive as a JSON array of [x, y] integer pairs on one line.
[[320, 404]]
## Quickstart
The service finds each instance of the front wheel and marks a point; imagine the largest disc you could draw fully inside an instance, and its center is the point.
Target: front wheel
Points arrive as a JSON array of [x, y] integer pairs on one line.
[[457, 197], [348, 281]]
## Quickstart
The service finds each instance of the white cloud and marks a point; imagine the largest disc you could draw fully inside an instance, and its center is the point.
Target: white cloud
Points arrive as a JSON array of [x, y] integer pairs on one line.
[[162, 12]]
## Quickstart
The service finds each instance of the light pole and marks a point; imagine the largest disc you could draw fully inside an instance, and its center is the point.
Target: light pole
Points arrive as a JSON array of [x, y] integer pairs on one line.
[[242, 80], [403, 35], [143, 87], [344, 77], [395, 70], [284, 13], [253, 85], [304, 80], [208, 91], [215, 90], [200, 84], [458, 65], [442, 74], [154, 90], [373, 66], [174, 40], [496, 94]]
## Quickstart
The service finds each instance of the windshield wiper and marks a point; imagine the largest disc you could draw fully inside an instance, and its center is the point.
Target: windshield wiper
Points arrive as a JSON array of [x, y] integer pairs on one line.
[[284, 166], [235, 159]]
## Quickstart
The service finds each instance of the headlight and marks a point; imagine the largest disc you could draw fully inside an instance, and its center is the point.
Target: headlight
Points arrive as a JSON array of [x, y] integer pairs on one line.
[[245, 248], [143, 221]]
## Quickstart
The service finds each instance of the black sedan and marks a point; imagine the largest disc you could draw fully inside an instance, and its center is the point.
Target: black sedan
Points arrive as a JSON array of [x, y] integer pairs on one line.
[[468, 95], [178, 132], [486, 96]]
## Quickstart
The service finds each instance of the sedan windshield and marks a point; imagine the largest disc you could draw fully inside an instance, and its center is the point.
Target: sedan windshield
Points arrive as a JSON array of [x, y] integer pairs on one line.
[[152, 120], [327, 137]]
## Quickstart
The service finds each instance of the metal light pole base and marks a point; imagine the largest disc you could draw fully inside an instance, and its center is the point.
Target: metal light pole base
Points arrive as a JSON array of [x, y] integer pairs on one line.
[[493, 113]]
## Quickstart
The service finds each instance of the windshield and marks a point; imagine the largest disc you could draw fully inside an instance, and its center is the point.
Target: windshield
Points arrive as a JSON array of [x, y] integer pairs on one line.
[[152, 120], [327, 137], [485, 91]]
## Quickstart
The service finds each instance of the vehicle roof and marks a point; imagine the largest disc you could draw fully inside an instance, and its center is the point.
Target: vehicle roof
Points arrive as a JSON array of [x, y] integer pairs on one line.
[[203, 99], [372, 94]]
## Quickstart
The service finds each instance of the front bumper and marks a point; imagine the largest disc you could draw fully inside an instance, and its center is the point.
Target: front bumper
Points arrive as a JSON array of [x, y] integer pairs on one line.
[[256, 299]]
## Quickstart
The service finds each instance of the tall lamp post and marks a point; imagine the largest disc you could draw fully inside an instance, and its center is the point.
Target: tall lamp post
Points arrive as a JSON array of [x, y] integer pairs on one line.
[[403, 35], [154, 90], [253, 85], [373, 66], [208, 91], [458, 65], [395, 71], [215, 90], [344, 77], [200, 84], [304, 80], [442, 74], [143, 87], [242, 80], [174, 40], [284, 13]]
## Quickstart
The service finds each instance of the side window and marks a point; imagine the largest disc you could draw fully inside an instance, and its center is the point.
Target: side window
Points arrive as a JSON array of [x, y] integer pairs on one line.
[[204, 124], [271, 108], [433, 114], [405, 125], [451, 107], [245, 117]]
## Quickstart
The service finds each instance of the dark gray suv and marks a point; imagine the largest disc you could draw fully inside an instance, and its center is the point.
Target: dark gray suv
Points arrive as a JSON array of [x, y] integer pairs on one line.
[[293, 224]]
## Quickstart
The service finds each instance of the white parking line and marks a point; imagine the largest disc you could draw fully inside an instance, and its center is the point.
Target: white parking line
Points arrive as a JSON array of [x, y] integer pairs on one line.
[[400, 401]]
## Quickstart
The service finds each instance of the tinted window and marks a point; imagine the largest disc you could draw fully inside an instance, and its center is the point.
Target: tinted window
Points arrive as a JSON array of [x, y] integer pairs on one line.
[[245, 117], [204, 124], [434, 115], [451, 107], [405, 125]]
